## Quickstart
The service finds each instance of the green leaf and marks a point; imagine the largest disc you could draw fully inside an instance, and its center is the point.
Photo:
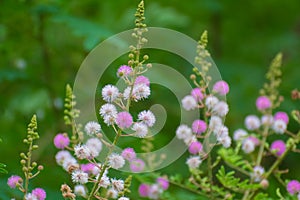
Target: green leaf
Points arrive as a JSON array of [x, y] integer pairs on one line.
[[235, 184], [233, 159], [261, 196], [2, 168]]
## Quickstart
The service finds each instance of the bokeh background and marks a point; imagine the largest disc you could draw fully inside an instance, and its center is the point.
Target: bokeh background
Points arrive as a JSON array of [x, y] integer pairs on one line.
[[42, 44]]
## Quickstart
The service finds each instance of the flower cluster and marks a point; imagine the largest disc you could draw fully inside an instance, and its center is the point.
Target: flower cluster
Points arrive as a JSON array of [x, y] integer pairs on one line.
[[214, 111], [28, 166], [89, 157], [79, 155], [80, 158], [153, 191]]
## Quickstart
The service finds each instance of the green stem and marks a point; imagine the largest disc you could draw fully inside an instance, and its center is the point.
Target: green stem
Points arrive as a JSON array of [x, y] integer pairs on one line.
[[105, 166], [27, 172], [262, 146], [210, 177]]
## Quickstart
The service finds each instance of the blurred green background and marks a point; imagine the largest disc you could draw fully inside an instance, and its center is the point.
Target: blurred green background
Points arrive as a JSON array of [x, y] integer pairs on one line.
[[43, 43]]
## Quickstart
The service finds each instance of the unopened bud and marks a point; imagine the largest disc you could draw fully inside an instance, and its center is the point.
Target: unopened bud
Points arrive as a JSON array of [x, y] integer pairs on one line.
[[264, 183], [146, 57], [193, 77]]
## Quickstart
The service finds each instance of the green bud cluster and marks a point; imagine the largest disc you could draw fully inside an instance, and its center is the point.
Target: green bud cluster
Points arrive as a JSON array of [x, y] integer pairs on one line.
[[273, 76]]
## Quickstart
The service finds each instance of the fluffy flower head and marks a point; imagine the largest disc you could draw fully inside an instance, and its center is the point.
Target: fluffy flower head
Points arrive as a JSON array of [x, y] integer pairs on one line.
[[124, 120], [110, 93], [92, 128], [39, 193], [263, 103], [129, 154], [278, 147], [61, 140], [199, 126], [197, 94], [147, 117], [116, 161], [221, 87], [189, 103], [124, 71], [13, 181]]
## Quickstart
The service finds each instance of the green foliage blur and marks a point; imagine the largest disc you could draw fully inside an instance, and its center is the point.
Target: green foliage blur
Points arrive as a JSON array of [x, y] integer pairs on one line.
[[43, 42]]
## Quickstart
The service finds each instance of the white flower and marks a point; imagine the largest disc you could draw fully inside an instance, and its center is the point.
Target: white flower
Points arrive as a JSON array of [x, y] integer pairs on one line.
[[258, 171], [279, 126], [111, 193], [189, 103], [61, 156], [116, 161], [79, 176], [211, 101], [82, 152], [95, 146], [154, 191], [110, 93], [248, 146], [104, 182], [147, 117], [252, 122], [80, 190], [92, 128], [117, 185], [183, 131], [215, 123], [193, 162], [109, 119], [123, 198], [239, 134], [139, 91], [221, 132], [141, 130], [221, 109], [225, 141], [30, 196], [189, 138], [108, 110], [68, 163], [267, 119]]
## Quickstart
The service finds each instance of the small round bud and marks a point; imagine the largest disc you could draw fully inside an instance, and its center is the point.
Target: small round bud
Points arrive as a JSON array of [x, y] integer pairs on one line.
[[23, 162], [34, 164], [149, 65], [134, 35], [35, 147], [144, 40], [131, 56], [193, 77], [99, 135], [73, 167], [130, 62], [146, 57], [25, 141], [40, 167], [264, 183], [24, 169], [132, 48], [22, 155]]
